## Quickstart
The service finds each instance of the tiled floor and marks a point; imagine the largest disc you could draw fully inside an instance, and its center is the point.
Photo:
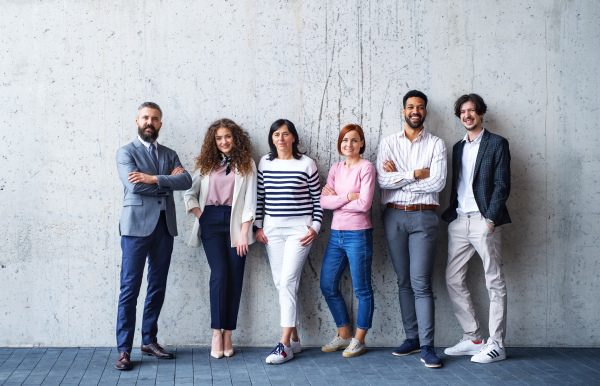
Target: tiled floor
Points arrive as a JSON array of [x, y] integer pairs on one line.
[[93, 366]]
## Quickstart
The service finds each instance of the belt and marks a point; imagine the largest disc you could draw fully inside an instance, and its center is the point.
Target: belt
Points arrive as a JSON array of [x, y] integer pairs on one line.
[[411, 208]]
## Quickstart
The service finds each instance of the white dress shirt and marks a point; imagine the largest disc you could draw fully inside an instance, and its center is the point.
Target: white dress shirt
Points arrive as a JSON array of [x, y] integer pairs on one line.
[[163, 203], [466, 199], [425, 152]]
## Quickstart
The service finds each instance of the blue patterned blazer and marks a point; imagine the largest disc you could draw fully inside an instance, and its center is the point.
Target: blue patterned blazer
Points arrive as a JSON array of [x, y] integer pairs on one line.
[[491, 180]]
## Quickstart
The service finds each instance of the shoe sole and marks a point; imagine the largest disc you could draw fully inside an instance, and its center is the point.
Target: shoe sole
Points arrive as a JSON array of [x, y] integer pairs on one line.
[[431, 366], [456, 354], [353, 354], [275, 364], [327, 349], [408, 353], [490, 361], [152, 355]]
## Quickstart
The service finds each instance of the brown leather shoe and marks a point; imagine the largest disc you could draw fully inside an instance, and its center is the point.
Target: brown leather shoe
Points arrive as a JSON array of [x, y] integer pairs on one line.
[[157, 351], [123, 362]]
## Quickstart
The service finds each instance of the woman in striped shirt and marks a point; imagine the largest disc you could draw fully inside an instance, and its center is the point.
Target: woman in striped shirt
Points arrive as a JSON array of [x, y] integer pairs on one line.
[[349, 192], [288, 218]]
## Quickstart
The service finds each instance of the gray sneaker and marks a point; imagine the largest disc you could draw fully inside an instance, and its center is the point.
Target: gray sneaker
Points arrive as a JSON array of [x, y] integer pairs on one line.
[[354, 349], [336, 344]]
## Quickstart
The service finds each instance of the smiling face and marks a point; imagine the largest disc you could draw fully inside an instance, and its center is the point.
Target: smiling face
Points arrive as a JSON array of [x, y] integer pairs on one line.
[[149, 124], [469, 117], [224, 140], [415, 112], [283, 139], [351, 144]]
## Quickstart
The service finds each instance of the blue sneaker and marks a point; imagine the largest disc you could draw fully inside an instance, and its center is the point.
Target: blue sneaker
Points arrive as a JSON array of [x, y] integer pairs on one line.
[[429, 357], [410, 346]]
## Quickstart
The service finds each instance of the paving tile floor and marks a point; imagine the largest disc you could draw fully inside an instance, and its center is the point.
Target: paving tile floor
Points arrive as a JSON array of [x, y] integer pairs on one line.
[[195, 366]]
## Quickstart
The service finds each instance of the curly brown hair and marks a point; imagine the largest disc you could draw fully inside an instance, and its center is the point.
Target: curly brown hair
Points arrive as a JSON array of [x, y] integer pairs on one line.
[[209, 158]]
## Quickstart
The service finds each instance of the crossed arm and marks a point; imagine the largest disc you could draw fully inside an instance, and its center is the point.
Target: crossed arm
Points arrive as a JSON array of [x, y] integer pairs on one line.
[[352, 202], [150, 185], [428, 180]]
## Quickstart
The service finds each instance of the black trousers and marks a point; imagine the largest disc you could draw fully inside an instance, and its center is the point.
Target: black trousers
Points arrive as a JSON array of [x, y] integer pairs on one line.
[[226, 267]]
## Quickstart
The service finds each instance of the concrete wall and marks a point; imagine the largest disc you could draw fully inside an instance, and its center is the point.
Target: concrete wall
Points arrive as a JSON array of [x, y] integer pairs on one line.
[[72, 74]]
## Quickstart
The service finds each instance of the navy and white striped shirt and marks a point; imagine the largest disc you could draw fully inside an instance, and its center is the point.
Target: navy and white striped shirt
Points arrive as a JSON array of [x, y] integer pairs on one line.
[[288, 193]]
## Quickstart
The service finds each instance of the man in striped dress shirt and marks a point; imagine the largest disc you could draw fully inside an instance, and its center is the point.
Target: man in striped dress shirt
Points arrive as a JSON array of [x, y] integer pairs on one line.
[[411, 169]]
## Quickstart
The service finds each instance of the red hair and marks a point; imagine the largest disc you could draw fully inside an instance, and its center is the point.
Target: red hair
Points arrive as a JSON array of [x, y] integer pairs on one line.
[[345, 131]]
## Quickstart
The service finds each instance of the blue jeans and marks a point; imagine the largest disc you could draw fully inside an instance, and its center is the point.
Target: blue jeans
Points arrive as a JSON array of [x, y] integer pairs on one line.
[[354, 248]]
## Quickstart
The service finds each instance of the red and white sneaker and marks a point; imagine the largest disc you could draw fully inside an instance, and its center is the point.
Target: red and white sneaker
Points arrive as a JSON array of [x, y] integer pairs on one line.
[[280, 354]]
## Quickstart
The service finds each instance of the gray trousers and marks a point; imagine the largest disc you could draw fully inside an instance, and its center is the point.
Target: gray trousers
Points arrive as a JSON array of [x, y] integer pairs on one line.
[[467, 234], [412, 239]]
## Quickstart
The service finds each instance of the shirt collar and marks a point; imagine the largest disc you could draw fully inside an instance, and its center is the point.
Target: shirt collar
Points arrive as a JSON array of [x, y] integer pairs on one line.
[[477, 140], [147, 144], [420, 136]]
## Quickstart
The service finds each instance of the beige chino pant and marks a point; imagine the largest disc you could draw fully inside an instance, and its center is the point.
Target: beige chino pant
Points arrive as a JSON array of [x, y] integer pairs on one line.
[[466, 235]]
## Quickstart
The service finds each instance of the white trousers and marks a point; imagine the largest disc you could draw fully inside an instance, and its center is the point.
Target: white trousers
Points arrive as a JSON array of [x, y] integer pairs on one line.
[[287, 258], [466, 235]]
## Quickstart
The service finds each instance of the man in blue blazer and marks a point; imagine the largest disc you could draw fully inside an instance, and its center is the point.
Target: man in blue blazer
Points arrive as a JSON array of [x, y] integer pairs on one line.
[[150, 173], [480, 188]]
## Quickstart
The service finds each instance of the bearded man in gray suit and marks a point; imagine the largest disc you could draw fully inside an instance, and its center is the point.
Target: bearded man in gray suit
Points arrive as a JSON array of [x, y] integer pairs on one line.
[[150, 173]]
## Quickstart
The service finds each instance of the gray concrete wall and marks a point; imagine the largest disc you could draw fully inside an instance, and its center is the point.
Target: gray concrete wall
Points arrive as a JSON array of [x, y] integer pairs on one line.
[[72, 74]]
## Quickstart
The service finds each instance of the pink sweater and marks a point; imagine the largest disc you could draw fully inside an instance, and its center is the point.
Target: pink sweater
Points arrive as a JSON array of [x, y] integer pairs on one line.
[[350, 215]]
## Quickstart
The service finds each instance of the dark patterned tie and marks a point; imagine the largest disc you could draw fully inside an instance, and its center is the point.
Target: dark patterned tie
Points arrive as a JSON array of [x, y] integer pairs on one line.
[[153, 156]]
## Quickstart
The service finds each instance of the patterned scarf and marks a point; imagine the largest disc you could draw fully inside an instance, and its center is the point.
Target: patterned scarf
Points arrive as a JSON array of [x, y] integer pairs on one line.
[[226, 160]]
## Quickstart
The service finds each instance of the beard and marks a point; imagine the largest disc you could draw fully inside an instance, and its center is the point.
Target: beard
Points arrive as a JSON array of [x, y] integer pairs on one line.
[[148, 136], [414, 125]]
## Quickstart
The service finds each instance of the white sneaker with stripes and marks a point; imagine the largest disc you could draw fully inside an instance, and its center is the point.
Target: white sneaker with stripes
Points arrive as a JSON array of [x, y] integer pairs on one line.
[[490, 352]]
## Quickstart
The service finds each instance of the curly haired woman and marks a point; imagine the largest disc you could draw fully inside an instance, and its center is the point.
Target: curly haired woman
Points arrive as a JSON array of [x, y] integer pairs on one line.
[[223, 199]]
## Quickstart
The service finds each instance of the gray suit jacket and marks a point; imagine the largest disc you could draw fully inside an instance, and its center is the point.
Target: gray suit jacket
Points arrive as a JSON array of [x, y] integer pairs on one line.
[[141, 205]]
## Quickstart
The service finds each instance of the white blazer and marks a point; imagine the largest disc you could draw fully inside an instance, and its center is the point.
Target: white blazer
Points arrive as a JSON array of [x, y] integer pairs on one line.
[[243, 205]]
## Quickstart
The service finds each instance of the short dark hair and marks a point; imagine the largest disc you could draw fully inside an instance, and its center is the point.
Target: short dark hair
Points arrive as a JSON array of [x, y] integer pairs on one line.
[[414, 94], [345, 130], [480, 106], [150, 105], [292, 129]]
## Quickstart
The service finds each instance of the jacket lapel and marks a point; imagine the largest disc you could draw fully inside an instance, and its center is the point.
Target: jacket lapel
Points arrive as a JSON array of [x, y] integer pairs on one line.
[[142, 149], [204, 183], [482, 147], [458, 162], [236, 189]]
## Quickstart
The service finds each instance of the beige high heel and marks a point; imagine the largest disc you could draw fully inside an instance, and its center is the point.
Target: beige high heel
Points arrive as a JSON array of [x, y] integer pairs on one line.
[[219, 353], [228, 353]]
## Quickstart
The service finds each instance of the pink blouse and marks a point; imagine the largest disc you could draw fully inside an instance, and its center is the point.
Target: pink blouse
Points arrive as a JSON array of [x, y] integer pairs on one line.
[[350, 215], [220, 187]]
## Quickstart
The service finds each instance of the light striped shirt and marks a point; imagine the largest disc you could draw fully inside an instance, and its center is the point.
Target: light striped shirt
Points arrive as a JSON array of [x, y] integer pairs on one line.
[[288, 193], [425, 152]]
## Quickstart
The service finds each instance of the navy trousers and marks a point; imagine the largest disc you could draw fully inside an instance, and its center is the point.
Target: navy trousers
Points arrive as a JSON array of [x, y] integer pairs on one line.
[[157, 249], [226, 267]]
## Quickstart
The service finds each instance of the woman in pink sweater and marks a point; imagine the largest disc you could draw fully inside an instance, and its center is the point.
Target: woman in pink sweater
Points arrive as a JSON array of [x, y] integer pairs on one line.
[[349, 193]]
